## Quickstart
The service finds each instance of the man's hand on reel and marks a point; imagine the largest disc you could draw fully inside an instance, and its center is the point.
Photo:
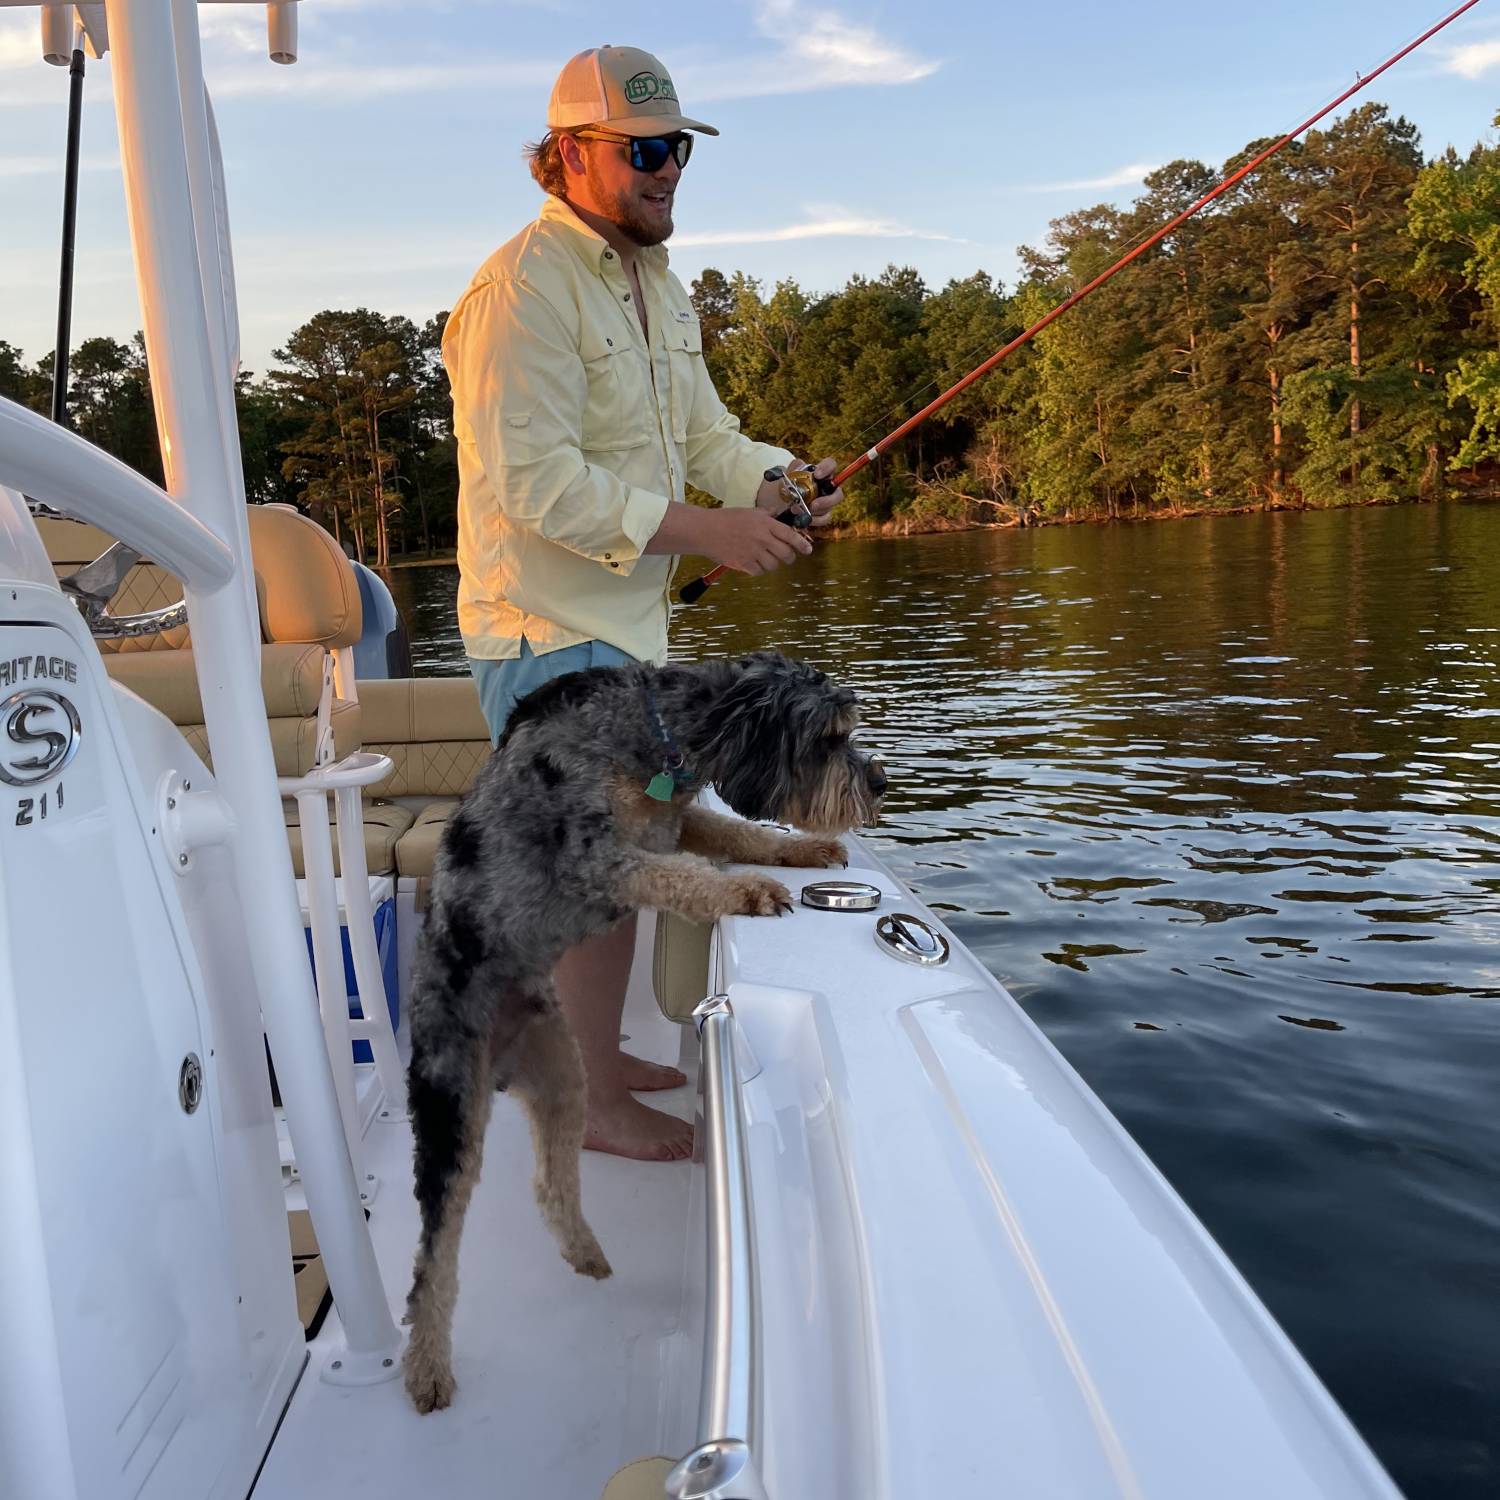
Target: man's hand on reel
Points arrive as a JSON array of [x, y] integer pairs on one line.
[[800, 486]]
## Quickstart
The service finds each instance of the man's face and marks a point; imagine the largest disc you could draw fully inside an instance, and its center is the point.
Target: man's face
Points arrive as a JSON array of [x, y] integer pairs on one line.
[[639, 203]]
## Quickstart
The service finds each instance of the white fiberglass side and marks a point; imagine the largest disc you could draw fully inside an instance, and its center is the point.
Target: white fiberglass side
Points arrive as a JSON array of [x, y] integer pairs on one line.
[[971, 1280], [146, 1308]]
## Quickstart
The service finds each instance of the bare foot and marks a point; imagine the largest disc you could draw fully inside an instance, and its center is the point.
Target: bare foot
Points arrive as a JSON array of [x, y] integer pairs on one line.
[[644, 1077], [629, 1128]]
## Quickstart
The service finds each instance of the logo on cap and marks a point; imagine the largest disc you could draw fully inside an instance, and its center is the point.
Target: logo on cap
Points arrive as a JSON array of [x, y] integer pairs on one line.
[[644, 86]]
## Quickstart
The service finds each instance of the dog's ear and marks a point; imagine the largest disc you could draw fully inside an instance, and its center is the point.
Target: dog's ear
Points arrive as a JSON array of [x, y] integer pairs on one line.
[[750, 748]]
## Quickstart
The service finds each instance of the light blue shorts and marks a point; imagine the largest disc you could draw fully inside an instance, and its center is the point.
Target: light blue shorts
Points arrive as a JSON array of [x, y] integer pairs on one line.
[[503, 683]]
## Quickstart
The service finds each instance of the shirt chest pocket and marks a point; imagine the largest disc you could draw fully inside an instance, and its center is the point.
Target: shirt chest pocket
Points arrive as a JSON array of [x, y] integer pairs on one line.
[[617, 407], [685, 354]]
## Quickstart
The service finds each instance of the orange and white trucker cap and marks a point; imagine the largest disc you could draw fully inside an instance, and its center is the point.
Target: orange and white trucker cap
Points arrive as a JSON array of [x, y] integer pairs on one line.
[[621, 89]]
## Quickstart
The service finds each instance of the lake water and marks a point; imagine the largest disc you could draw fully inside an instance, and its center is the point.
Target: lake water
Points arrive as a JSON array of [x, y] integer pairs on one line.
[[1219, 802]]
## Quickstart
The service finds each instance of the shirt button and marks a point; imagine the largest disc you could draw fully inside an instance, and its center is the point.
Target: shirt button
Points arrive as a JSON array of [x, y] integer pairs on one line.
[[609, 255], [608, 555], [610, 342], [627, 296]]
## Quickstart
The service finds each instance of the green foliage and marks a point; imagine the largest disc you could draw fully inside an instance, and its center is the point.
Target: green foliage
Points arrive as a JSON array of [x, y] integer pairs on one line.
[[1453, 221], [1327, 333]]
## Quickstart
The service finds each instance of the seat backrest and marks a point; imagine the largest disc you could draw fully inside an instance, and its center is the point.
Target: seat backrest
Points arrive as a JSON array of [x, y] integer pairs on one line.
[[71, 544], [305, 588], [432, 728], [308, 600]]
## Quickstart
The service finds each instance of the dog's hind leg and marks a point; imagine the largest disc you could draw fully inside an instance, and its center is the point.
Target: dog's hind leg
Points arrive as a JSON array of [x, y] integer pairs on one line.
[[448, 1124], [544, 1070]]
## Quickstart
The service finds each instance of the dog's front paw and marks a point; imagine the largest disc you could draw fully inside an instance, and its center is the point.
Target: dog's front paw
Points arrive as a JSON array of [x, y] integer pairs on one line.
[[807, 851], [758, 896], [430, 1386]]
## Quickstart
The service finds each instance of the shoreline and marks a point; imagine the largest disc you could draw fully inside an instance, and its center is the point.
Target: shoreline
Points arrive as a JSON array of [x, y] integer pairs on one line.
[[904, 526]]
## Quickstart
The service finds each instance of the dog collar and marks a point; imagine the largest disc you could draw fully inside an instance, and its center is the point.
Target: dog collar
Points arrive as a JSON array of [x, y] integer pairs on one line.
[[674, 774]]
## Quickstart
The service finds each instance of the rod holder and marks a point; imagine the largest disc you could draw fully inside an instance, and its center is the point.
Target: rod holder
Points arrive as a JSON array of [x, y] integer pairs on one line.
[[281, 30]]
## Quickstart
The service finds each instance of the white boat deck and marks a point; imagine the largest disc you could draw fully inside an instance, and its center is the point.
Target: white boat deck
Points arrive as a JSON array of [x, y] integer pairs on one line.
[[970, 1281], [559, 1377]]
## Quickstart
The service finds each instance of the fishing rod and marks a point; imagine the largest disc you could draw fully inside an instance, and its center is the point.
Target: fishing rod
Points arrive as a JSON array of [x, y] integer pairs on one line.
[[803, 486], [69, 229]]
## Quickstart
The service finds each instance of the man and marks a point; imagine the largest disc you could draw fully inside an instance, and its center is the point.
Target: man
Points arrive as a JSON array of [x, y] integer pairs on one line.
[[582, 407]]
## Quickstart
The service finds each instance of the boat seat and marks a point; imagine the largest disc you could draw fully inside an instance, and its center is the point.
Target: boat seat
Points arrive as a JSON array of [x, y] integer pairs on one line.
[[433, 730], [309, 605], [304, 587], [419, 844], [291, 680], [645, 1479], [384, 824], [435, 734]]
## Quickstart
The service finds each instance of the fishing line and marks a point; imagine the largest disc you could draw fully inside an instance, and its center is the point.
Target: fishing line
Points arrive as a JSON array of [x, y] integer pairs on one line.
[[695, 590]]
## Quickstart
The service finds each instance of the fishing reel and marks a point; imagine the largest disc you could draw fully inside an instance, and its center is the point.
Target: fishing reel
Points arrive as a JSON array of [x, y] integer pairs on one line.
[[798, 486]]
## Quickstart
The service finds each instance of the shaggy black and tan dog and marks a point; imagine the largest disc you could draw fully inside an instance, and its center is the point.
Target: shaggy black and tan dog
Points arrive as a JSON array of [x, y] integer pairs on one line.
[[582, 815]]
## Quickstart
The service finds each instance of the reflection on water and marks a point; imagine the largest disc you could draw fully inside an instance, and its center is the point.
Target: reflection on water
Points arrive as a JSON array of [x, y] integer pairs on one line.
[[1219, 801]]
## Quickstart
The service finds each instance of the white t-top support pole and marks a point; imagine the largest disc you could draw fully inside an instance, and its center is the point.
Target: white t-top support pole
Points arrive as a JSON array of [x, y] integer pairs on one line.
[[156, 163]]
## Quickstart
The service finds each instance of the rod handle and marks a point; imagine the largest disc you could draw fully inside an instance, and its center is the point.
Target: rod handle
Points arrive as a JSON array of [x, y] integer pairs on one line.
[[691, 593]]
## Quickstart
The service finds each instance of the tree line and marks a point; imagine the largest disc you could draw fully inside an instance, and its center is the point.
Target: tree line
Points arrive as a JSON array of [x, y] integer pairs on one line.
[[1328, 333]]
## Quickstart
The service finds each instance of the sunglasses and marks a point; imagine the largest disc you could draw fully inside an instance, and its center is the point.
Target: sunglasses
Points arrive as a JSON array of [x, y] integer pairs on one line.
[[647, 153]]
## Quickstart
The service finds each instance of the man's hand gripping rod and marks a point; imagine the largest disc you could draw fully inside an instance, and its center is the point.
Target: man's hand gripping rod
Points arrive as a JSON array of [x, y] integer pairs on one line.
[[799, 487]]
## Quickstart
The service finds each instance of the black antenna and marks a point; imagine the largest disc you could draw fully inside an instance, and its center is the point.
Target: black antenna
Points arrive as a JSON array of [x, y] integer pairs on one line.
[[69, 228]]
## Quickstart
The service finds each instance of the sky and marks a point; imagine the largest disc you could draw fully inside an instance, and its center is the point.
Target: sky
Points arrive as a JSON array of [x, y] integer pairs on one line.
[[382, 167]]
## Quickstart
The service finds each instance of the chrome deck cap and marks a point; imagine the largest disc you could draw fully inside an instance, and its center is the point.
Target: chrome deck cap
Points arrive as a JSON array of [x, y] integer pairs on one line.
[[841, 895]]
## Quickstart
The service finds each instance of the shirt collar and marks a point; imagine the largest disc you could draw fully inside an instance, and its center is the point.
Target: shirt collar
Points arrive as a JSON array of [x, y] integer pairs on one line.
[[588, 243]]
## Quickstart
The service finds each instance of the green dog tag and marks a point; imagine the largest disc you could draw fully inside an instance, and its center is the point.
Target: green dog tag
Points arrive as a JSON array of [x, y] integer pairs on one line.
[[661, 786]]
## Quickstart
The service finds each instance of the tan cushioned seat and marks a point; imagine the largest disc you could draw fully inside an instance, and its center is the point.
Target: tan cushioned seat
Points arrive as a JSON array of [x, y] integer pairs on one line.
[[418, 847], [291, 678], [145, 587], [645, 1479], [385, 823], [679, 965], [433, 730], [304, 586]]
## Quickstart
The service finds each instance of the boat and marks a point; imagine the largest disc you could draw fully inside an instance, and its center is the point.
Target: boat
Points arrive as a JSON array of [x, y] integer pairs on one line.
[[913, 1255]]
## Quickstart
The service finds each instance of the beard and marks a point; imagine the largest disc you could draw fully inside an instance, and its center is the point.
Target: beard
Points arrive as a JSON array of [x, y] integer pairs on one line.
[[622, 211]]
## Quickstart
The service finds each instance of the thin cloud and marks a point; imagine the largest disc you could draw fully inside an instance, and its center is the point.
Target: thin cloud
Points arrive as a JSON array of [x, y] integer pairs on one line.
[[20, 42], [813, 50], [230, 26], [839, 50], [815, 229], [1474, 59], [1128, 176]]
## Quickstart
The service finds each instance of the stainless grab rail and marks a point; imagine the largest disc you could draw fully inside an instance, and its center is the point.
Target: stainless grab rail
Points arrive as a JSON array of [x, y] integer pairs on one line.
[[722, 1466]]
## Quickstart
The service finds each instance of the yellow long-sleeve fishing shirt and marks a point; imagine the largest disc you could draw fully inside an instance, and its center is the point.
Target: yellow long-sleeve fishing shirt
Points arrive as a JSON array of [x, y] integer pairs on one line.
[[574, 431]]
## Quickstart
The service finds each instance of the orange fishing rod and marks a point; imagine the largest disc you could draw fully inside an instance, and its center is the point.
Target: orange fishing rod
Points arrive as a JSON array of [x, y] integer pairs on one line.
[[801, 517]]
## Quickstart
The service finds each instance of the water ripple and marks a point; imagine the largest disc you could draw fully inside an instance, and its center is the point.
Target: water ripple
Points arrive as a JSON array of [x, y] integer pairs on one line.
[[1220, 802]]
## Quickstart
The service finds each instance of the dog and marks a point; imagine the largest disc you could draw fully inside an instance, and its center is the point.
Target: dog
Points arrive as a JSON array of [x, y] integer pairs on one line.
[[583, 814]]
